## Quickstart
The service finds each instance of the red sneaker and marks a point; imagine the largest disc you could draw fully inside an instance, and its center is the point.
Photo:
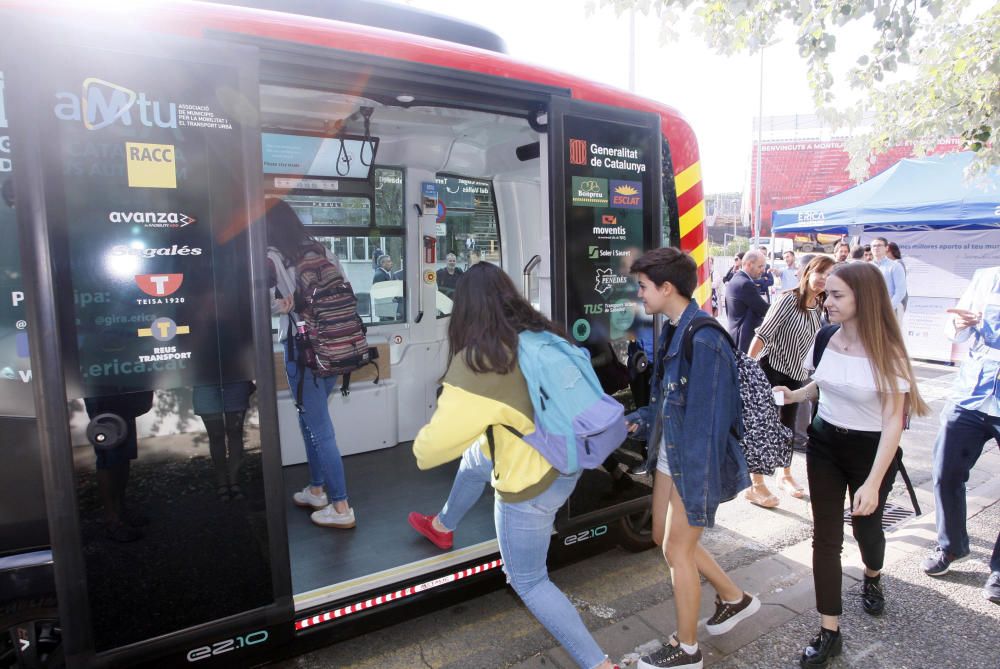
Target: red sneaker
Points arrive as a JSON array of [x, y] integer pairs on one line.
[[424, 525]]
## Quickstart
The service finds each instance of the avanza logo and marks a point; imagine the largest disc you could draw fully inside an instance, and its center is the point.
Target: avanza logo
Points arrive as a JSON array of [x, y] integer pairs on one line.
[[159, 285], [153, 219], [102, 103]]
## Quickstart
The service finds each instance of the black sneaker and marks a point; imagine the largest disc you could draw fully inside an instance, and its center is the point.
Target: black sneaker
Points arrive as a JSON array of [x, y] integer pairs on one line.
[[826, 645], [991, 590], [671, 656], [727, 616], [872, 596], [939, 562]]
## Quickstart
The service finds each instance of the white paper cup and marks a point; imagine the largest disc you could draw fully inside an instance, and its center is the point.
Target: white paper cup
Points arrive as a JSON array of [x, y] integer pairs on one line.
[[779, 397]]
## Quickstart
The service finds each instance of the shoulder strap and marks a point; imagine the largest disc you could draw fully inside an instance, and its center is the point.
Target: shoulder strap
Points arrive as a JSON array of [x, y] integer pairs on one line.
[[697, 323], [822, 339]]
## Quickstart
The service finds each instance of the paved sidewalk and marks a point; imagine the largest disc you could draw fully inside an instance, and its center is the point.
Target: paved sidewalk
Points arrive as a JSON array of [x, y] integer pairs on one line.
[[943, 622]]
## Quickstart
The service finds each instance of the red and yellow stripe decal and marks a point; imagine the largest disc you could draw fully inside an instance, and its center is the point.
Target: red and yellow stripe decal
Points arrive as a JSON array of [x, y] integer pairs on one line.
[[691, 212]]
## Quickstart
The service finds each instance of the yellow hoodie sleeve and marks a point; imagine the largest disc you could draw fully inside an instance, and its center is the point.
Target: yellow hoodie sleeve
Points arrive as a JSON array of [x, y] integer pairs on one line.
[[460, 420]]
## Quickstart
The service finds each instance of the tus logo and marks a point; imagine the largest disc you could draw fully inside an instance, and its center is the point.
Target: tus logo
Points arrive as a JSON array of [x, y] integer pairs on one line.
[[159, 285], [102, 103], [164, 329], [577, 152]]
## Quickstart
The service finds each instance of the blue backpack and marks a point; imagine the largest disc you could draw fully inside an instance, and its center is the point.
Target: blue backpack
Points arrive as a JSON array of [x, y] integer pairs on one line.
[[577, 425]]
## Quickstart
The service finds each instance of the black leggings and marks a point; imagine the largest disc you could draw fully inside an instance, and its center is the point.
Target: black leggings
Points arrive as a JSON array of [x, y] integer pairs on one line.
[[836, 462], [222, 429]]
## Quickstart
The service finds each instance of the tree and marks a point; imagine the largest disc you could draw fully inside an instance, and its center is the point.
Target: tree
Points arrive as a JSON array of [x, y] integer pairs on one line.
[[931, 73]]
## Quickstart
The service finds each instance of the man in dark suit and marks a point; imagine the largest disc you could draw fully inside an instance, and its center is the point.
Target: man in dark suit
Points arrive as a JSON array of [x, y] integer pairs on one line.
[[745, 308]]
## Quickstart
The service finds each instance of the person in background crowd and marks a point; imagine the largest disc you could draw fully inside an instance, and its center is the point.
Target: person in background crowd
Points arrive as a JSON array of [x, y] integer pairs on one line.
[[892, 271], [448, 276], [384, 271], [734, 268], [483, 387], [766, 278], [862, 381], [967, 423], [223, 409], [868, 253], [857, 253], [715, 290], [288, 244], [897, 255], [780, 344], [789, 273], [474, 257], [745, 308], [842, 252], [696, 458]]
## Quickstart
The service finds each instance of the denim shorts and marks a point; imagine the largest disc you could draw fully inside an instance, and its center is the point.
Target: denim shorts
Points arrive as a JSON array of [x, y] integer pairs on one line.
[[662, 464]]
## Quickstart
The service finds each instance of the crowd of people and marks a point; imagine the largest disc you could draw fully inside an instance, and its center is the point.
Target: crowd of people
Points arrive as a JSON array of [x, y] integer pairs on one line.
[[829, 334]]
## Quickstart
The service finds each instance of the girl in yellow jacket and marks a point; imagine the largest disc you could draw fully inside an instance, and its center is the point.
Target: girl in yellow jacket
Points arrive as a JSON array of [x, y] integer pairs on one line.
[[484, 389]]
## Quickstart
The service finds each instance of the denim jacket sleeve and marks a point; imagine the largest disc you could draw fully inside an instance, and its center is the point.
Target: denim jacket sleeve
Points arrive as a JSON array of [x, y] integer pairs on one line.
[[707, 421]]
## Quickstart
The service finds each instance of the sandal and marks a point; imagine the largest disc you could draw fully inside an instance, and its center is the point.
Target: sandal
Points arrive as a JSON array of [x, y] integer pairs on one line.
[[762, 497], [792, 487]]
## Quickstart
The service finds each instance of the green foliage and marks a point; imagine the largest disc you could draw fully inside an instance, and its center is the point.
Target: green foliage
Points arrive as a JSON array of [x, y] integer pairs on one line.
[[730, 248], [931, 72]]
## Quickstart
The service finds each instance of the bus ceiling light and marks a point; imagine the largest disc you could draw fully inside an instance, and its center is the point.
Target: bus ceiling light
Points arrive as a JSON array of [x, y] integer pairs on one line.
[[405, 98]]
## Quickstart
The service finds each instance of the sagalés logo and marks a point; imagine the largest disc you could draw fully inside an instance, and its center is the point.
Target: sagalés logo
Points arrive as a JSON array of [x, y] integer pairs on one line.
[[159, 285], [626, 194], [153, 219], [151, 165], [577, 152], [102, 103], [164, 329]]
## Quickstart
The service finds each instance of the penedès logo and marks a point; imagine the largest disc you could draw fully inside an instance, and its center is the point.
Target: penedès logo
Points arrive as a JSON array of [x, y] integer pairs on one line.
[[152, 219], [102, 103], [175, 250], [607, 280]]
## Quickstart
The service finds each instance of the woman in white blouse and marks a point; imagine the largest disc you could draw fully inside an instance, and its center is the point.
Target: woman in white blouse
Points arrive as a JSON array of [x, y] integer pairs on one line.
[[863, 380]]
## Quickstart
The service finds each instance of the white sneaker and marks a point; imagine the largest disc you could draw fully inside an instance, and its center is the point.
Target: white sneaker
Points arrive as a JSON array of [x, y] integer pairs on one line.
[[306, 498], [328, 517]]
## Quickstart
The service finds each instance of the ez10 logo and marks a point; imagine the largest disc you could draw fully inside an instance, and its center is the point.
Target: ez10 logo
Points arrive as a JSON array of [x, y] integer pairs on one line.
[[227, 646]]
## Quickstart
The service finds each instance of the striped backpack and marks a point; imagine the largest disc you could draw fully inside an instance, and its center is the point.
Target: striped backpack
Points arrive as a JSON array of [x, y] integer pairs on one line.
[[334, 328]]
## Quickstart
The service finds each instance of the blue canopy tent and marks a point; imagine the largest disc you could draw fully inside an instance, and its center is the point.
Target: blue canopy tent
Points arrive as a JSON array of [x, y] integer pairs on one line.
[[925, 194]]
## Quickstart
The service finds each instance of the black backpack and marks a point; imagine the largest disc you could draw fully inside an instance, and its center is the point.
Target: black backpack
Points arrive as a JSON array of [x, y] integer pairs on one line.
[[761, 424]]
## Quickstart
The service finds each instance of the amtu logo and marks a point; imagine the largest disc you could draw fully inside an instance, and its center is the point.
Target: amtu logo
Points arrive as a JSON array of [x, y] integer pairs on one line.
[[102, 103]]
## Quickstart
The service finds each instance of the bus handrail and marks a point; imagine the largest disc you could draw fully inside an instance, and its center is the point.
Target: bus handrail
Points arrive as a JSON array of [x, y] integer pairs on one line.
[[535, 261]]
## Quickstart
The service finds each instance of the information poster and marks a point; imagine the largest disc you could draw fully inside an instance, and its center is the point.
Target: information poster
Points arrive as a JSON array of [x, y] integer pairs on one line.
[[15, 366], [609, 222], [144, 175]]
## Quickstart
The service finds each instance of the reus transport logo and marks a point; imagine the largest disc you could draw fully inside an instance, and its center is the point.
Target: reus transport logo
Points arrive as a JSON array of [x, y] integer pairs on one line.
[[164, 329]]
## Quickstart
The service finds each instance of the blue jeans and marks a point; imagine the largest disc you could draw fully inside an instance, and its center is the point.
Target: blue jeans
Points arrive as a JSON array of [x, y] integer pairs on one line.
[[524, 530], [325, 464], [959, 444]]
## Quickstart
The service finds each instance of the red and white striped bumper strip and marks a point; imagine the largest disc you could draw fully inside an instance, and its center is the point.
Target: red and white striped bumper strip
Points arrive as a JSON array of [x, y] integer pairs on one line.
[[319, 619]]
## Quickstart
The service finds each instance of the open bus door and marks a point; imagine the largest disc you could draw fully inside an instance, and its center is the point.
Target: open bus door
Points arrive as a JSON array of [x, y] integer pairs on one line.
[[606, 209], [137, 173]]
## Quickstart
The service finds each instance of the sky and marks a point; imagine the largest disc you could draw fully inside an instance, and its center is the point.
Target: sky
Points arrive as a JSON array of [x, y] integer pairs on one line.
[[718, 96]]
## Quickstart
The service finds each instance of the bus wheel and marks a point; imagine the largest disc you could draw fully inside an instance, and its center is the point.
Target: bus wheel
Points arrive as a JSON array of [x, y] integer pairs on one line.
[[635, 531], [32, 638]]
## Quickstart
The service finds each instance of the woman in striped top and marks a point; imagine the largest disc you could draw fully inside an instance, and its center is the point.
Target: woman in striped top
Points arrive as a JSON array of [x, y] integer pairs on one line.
[[780, 344]]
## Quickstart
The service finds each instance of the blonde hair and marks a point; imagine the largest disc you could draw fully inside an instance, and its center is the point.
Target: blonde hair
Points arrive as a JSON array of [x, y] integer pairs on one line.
[[879, 331]]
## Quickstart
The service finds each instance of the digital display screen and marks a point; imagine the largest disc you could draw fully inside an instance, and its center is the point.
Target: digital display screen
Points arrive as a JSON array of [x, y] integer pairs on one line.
[[312, 156]]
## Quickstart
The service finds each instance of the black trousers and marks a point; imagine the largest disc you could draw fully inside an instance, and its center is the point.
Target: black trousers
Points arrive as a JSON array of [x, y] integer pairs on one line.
[[787, 411], [839, 461]]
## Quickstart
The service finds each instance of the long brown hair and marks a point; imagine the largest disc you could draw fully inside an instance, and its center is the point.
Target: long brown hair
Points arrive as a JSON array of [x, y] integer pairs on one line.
[[487, 315], [879, 331], [817, 265]]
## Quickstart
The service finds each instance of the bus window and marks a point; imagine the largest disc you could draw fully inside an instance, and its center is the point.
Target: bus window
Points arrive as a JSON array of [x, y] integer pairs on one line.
[[15, 370], [467, 231]]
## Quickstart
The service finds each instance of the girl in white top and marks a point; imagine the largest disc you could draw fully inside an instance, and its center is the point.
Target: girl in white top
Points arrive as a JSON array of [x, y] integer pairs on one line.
[[863, 380]]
